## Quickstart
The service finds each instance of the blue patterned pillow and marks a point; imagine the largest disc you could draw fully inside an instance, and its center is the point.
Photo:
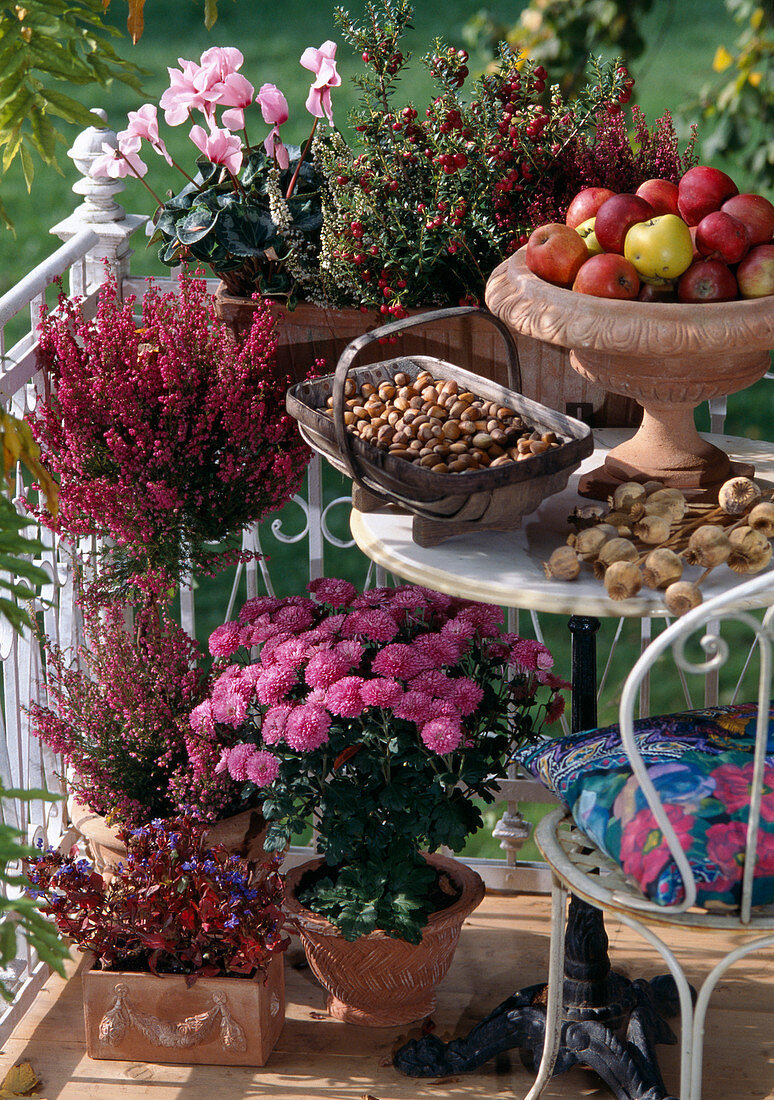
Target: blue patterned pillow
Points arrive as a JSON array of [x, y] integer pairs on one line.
[[701, 764]]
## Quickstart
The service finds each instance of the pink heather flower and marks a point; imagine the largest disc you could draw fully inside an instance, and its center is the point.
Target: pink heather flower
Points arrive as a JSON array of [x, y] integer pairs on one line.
[[274, 684], [143, 126], [262, 768], [117, 164], [417, 707], [201, 719], [374, 624], [307, 728], [219, 147], [351, 650], [441, 735], [258, 607], [321, 62], [274, 106], [399, 660], [336, 593], [236, 760], [438, 649], [344, 698], [225, 640], [531, 655], [229, 704], [466, 695], [273, 725], [325, 668], [381, 692]]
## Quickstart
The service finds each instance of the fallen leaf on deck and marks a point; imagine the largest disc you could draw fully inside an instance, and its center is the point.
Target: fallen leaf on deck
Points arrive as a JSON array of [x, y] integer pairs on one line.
[[20, 1080]]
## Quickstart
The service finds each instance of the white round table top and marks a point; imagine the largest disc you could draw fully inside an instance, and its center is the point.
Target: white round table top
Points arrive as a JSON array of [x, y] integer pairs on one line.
[[506, 567]]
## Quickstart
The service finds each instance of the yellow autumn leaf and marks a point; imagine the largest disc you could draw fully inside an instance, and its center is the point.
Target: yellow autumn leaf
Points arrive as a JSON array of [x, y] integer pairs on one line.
[[722, 59], [755, 79], [135, 22], [20, 1080]]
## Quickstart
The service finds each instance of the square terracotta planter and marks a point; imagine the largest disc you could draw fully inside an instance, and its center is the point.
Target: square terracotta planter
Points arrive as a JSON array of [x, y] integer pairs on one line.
[[217, 1021]]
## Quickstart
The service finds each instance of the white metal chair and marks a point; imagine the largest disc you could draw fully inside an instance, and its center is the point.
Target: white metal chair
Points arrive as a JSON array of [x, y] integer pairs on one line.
[[581, 865]]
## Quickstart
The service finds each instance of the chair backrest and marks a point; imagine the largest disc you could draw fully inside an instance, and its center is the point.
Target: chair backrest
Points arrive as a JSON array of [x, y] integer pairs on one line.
[[703, 625]]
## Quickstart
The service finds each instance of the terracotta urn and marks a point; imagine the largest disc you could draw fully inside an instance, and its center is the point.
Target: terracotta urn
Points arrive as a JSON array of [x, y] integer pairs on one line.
[[377, 980], [669, 356], [310, 332], [230, 1021]]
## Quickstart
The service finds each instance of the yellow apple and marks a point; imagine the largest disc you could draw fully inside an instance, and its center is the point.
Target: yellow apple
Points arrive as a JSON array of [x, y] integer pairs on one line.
[[586, 230], [660, 247]]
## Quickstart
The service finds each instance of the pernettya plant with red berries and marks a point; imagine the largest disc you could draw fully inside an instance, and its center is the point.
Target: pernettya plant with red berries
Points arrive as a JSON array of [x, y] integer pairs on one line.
[[174, 906], [430, 200]]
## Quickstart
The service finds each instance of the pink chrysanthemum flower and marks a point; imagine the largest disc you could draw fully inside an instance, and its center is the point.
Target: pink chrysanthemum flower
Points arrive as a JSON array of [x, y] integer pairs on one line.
[[460, 629], [441, 735], [262, 768], [325, 668], [531, 655], [486, 617], [274, 720], [296, 617], [307, 728], [374, 624], [225, 640], [292, 653], [229, 704], [466, 695], [260, 631], [236, 760], [272, 645], [331, 625], [258, 607], [336, 593], [274, 684], [374, 597], [416, 706], [555, 709], [410, 597], [201, 719], [381, 692], [344, 698], [434, 682], [351, 650], [438, 649], [400, 661]]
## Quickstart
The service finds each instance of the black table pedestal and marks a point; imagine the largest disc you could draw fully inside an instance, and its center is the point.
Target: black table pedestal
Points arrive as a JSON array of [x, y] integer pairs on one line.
[[611, 1024]]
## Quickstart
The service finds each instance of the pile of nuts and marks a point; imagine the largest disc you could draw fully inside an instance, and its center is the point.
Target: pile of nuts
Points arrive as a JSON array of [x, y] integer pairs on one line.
[[650, 534], [432, 423]]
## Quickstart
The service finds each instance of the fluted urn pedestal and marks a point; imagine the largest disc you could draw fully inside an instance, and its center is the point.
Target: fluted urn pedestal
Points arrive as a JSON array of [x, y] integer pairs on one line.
[[670, 357]]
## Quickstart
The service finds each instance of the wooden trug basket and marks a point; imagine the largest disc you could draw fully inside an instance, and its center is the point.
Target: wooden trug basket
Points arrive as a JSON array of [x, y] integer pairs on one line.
[[443, 505]]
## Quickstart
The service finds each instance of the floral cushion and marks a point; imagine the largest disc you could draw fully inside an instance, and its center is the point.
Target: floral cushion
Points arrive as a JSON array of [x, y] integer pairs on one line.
[[701, 764]]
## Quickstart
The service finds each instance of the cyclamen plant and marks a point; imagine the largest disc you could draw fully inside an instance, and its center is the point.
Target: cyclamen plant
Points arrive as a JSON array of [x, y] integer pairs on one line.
[[174, 906], [251, 213], [382, 715], [167, 435], [430, 200], [118, 714]]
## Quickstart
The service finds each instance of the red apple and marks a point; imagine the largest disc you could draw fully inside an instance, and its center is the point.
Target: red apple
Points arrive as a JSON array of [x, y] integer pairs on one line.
[[707, 281], [755, 273], [555, 253], [723, 237], [756, 212], [701, 190], [585, 205], [661, 194], [615, 218], [657, 292], [607, 275]]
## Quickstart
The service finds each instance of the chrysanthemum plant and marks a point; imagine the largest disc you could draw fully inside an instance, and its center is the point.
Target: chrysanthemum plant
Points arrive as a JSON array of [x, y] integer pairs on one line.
[[382, 716], [429, 199], [252, 212], [167, 435], [174, 906]]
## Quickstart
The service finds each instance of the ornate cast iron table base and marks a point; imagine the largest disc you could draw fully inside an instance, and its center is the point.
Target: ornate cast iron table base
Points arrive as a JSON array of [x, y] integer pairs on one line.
[[611, 1024]]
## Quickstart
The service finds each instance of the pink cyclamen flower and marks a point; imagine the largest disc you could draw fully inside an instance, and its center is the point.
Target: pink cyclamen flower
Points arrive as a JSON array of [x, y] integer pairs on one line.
[[441, 735], [189, 90], [321, 62], [274, 106], [117, 164], [275, 150], [262, 768], [143, 126], [219, 147]]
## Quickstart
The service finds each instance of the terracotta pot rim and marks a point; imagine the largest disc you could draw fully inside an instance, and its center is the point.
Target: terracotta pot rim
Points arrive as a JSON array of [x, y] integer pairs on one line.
[[469, 881]]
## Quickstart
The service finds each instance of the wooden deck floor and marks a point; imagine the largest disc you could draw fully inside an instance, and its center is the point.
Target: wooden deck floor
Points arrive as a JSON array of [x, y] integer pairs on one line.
[[503, 947]]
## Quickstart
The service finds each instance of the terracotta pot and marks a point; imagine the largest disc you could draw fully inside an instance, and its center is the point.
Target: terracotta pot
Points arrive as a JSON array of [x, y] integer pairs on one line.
[[377, 980], [216, 1021], [310, 332], [242, 834]]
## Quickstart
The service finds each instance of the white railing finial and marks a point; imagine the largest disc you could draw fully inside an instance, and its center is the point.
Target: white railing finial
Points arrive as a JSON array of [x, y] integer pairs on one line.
[[99, 211]]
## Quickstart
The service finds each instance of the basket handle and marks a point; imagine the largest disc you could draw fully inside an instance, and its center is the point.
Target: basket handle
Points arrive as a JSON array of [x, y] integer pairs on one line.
[[353, 349]]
